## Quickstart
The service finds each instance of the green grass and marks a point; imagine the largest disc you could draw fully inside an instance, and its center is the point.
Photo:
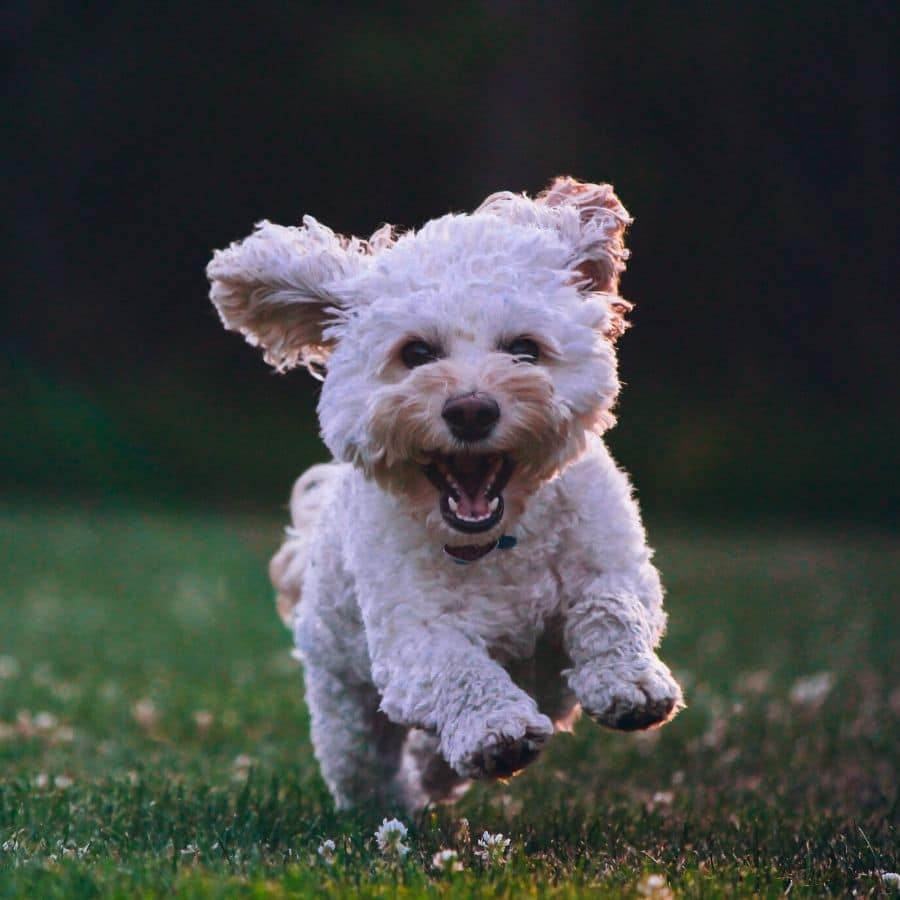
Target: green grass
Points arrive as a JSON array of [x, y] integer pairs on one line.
[[154, 739]]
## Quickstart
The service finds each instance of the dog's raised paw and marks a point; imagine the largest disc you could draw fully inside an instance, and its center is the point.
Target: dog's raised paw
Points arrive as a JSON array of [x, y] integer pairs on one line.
[[505, 758], [502, 754], [626, 715], [631, 697]]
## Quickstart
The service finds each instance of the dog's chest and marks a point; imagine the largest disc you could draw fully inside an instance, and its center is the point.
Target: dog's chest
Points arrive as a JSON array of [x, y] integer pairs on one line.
[[502, 600], [506, 600]]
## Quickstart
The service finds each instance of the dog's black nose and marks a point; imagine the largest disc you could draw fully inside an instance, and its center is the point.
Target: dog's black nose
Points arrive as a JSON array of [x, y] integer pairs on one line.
[[472, 416]]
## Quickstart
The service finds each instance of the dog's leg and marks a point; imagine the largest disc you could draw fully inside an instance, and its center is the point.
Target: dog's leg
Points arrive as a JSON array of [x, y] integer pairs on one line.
[[611, 631], [358, 747], [310, 495], [425, 776], [434, 676], [612, 603]]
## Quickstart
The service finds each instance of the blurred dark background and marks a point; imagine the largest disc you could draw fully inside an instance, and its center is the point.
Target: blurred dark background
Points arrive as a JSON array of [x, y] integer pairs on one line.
[[756, 144]]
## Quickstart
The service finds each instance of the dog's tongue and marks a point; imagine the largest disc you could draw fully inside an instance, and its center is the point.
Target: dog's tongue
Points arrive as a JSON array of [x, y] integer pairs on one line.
[[472, 476], [474, 507]]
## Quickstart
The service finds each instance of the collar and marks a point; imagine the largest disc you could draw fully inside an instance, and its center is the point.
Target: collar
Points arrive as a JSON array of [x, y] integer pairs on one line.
[[504, 542]]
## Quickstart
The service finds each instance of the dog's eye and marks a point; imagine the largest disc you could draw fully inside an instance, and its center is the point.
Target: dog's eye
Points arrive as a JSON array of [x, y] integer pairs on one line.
[[524, 349], [418, 353]]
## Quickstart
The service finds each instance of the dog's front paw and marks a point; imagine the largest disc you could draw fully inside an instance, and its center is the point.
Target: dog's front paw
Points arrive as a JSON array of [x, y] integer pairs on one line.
[[629, 694], [498, 748]]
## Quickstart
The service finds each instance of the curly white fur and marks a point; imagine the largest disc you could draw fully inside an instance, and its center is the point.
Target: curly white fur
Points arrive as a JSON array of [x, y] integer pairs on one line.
[[422, 673]]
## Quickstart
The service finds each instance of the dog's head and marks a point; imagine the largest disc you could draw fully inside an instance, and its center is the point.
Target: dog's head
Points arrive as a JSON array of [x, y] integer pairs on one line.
[[464, 364]]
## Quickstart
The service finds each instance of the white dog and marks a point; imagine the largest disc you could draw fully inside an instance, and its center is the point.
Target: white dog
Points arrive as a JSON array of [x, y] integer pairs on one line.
[[471, 571]]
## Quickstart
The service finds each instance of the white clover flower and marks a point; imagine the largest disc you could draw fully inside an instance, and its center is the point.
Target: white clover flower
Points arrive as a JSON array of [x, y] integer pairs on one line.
[[812, 690], [389, 838], [241, 766], [326, 851], [45, 721], [654, 885], [204, 720], [145, 713], [493, 849], [890, 880], [446, 861]]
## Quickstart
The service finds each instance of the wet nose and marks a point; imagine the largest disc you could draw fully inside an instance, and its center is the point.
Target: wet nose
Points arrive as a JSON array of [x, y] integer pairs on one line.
[[472, 416]]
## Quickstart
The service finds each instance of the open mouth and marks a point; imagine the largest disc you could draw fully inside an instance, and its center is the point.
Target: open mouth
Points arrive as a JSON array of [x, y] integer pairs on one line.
[[471, 488]]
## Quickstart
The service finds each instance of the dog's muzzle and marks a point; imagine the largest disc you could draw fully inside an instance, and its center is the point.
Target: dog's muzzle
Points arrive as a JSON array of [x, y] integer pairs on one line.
[[471, 487]]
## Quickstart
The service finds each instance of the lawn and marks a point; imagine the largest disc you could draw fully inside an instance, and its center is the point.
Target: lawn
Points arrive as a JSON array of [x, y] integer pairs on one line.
[[153, 737]]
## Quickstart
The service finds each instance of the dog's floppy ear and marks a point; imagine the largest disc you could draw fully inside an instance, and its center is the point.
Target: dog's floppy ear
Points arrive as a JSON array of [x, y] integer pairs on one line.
[[591, 221], [600, 242], [280, 287]]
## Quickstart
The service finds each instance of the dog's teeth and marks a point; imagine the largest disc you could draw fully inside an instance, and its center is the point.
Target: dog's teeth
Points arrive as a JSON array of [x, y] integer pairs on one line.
[[494, 504], [452, 504]]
